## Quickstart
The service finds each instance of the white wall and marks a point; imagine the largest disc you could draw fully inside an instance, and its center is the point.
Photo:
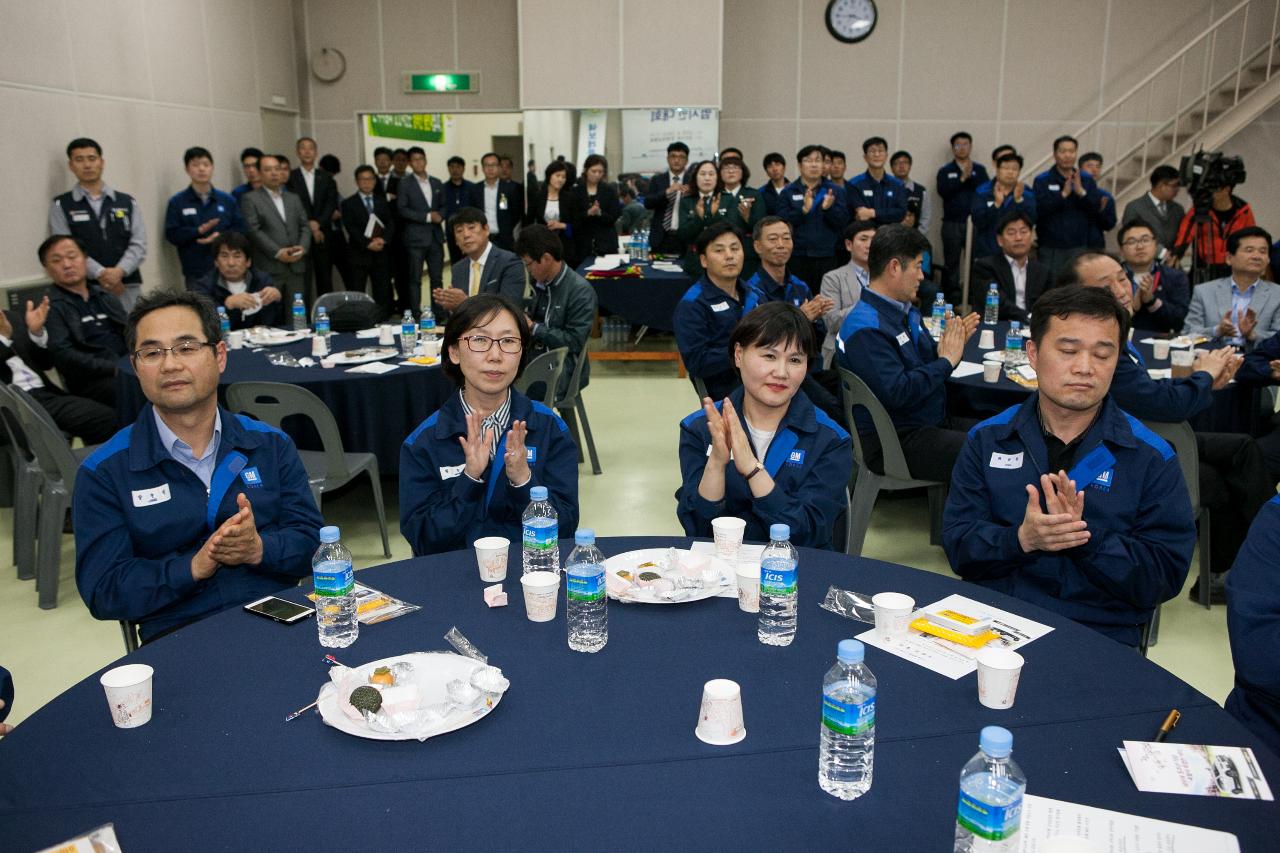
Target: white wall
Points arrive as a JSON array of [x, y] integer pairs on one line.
[[1257, 145], [145, 78]]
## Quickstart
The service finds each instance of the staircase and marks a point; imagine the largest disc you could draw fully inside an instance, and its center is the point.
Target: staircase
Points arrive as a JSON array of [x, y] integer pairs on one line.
[[1201, 96]]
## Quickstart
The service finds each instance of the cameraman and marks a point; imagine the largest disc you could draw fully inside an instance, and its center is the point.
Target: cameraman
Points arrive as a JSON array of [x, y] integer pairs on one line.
[[1216, 214]]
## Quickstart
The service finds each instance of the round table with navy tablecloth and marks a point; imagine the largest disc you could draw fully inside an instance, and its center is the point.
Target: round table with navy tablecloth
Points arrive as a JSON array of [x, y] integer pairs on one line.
[[589, 751], [375, 412], [646, 301], [1234, 409]]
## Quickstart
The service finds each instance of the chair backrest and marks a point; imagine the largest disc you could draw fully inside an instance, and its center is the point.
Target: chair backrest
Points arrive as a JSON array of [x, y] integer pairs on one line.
[[699, 388], [546, 368], [329, 301], [854, 393], [1183, 439], [272, 402], [52, 451], [11, 410], [570, 395]]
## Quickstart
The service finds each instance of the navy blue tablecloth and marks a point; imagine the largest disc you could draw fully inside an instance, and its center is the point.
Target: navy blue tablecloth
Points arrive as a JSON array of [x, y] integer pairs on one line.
[[375, 412], [647, 301], [1234, 409], [589, 751]]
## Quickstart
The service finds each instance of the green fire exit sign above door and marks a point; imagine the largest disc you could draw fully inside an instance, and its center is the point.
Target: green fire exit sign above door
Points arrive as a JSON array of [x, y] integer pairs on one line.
[[441, 82]]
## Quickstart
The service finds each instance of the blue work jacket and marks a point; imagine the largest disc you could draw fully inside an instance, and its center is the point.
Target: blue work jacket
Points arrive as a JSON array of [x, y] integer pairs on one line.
[[957, 194], [1253, 625], [887, 197], [705, 317], [1169, 400], [816, 233], [1065, 222], [183, 218]]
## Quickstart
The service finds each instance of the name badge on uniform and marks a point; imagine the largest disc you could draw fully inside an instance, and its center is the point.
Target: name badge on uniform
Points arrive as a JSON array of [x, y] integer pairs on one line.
[[991, 204], [720, 306], [188, 211], [903, 339], [796, 457], [502, 202], [868, 193], [953, 174], [79, 216], [889, 193], [251, 478], [531, 455], [1007, 461], [448, 472], [1055, 187], [797, 197], [151, 497]]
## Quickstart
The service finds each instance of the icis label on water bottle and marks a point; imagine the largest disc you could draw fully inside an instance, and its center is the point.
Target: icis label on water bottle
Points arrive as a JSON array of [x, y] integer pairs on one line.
[[848, 718], [332, 579], [994, 823], [778, 577], [585, 587], [542, 537]]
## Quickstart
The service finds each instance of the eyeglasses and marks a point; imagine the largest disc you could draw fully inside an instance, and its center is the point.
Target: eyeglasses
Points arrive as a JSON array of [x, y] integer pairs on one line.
[[484, 343], [1138, 241], [185, 351]]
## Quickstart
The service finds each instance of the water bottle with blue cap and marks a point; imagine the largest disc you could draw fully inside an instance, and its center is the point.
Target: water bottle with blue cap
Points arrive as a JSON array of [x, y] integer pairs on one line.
[[333, 576], [586, 605], [778, 584], [541, 533], [989, 813], [846, 752]]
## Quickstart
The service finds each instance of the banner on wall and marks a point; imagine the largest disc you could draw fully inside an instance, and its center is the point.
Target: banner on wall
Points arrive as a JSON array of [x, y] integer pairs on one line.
[[591, 126], [419, 127], [647, 133]]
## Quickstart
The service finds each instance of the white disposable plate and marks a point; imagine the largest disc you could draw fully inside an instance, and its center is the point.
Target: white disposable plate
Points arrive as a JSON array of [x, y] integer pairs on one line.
[[363, 355], [263, 337], [432, 671], [645, 595], [994, 355]]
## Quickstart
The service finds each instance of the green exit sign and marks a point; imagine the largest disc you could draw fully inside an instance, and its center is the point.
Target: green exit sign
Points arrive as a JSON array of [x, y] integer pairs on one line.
[[441, 82]]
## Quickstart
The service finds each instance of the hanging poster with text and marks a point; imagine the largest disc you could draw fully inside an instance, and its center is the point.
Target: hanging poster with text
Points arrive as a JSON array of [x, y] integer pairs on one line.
[[647, 133], [591, 125], [419, 127]]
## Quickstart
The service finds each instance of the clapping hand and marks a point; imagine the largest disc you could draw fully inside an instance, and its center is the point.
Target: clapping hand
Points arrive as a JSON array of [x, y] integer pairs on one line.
[[237, 541], [516, 459], [814, 308], [957, 332], [475, 446], [807, 204], [36, 316], [1247, 323], [721, 440], [744, 457], [1062, 526]]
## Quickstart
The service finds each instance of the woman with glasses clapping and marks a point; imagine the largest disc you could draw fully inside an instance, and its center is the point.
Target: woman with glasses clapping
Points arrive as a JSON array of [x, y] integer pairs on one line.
[[466, 471]]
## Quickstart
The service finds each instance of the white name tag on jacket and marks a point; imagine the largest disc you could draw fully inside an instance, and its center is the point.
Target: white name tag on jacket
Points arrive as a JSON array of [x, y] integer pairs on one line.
[[720, 306], [1008, 461], [953, 174], [151, 497], [79, 216], [448, 472], [903, 339], [190, 211], [1055, 187]]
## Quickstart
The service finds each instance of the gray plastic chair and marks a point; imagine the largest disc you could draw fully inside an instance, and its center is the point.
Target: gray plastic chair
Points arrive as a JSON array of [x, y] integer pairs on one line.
[[129, 630], [329, 301], [58, 466], [328, 469], [1183, 440], [866, 484], [544, 370], [27, 480], [570, 402], [699, 388]]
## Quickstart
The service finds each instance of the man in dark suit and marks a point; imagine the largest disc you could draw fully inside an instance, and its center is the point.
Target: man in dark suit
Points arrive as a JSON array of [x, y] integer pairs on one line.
[[1020, 279], [457, 195], [663, 198], [319, 195], [385, 180], [370, 245], [276, 223], [24, 357], [1158, 208], [420, 204], [485, 267], [502, 202], [85, 323], [1161, 294]]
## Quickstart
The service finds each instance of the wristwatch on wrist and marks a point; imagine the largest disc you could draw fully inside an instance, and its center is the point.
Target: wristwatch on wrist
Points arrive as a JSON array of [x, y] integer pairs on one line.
[[755, 470]]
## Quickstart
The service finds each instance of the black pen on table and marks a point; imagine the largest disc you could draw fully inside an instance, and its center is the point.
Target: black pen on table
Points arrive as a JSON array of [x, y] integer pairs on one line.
[[1170, 722]]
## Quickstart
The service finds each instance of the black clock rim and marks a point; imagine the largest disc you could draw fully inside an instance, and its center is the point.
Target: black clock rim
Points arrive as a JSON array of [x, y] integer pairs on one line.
[[838, 37]]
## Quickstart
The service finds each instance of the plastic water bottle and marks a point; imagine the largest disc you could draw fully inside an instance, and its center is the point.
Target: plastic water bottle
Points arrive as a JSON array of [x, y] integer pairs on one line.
[[408, 333], [938, 318], [778, 589], [991, 787], [299, 316], [334, 580], [1013, 347], [991, 313], [322, 322], [846, 754], [224, 322], [427, 322], [585, 605], [541, 533]]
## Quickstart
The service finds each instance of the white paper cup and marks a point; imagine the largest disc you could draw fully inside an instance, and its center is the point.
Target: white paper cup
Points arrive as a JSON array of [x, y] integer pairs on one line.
[[1161, 350], [431, 346], [893, 614], [319, 346], [987, 339], [991, 371], [235, 339], [998, 672], [541, 592], [1181, 361], [748, 575], [387, 336], [720, 718], [491, 558], [727, 532], [128, 691]]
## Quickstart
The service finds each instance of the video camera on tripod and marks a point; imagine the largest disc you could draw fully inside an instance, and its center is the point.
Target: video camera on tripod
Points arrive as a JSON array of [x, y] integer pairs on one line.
[[1204, 172]]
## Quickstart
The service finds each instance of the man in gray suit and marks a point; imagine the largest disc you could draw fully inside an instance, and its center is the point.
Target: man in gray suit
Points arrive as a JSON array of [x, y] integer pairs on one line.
[[420, 205], [1158, 208], [1240, 309], [843, 285], [484, 268], [278, 229]]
